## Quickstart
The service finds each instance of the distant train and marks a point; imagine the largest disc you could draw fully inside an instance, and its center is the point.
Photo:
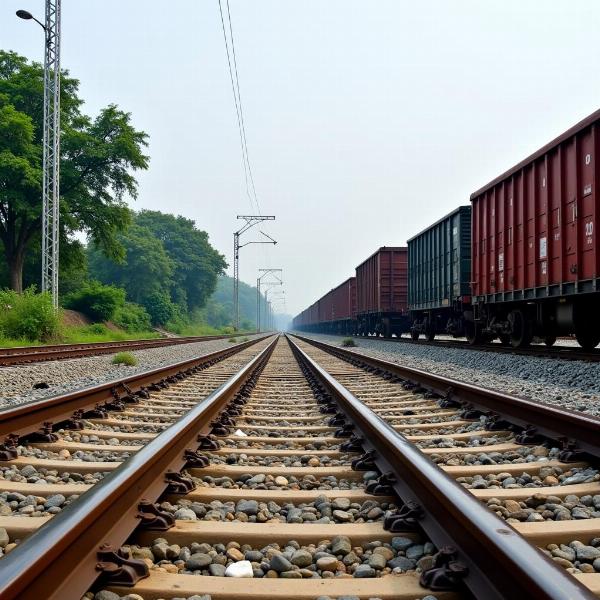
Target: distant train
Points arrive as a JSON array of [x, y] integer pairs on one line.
[[520, 262]]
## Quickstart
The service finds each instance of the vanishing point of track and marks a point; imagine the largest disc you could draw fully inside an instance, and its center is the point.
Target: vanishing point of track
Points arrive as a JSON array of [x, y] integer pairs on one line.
[[306, 432]]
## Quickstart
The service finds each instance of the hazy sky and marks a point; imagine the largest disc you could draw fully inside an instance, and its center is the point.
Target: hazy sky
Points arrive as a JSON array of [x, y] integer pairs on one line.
[[366, 120]]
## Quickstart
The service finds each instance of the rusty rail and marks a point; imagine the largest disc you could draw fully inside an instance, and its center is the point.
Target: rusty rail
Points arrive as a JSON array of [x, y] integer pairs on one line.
[[538, 419], [28, 354], [60, 559], [484, 553], [540, 351], [25, 418]]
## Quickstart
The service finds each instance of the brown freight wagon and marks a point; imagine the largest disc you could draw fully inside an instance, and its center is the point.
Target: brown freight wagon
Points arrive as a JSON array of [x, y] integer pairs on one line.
[[382, 293], [337, 309], [535, 260]]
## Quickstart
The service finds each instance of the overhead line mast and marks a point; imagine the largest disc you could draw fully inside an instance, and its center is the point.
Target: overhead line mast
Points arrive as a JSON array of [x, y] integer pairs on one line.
[[50, 146], [51, 153], [251, 221]]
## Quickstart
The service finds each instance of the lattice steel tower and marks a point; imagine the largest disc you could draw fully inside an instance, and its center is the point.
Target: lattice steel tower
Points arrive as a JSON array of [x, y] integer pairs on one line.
[[250, 221], [51, 152]]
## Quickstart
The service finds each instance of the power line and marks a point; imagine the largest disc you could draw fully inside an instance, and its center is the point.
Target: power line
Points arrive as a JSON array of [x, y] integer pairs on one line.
[[237, 98], [237, 82]]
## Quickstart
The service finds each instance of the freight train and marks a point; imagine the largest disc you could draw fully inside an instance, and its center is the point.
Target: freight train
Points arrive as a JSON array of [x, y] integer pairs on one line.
[[520, 262]]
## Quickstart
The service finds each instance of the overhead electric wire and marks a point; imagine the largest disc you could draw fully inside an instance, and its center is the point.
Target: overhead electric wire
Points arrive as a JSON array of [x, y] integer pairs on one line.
[[237, 83], [237, 98]]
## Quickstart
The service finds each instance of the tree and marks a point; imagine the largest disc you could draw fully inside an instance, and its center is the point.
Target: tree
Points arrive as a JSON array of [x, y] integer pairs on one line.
[[196, 264], [145, 269], [97, 158]]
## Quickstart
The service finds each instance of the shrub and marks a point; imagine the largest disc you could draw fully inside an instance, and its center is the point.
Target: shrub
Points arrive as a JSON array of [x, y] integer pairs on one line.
[[97, 329], [28, 315], [124, 358], [132, 317], [348, 342], [160, 308], [96, 300]]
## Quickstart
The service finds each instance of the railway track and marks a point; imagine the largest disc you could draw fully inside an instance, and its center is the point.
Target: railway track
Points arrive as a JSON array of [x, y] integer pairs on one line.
[[28, 354], [557, 352], [285, 462]]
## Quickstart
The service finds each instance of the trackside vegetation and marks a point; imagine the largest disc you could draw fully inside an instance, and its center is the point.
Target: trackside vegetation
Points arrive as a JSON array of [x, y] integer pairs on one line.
[[124, 272]]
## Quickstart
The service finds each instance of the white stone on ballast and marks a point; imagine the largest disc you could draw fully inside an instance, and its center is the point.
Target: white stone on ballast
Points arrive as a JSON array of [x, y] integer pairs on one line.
[[242, 568]]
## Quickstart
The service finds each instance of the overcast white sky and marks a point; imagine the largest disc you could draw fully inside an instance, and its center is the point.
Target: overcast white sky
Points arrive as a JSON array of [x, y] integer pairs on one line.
[[366, 120]]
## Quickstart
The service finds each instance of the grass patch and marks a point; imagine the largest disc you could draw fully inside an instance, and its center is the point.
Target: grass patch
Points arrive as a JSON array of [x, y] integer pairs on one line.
[[232, 340], [348, 342], [244, 339], [197, 329], [124, 358], [97, 332]]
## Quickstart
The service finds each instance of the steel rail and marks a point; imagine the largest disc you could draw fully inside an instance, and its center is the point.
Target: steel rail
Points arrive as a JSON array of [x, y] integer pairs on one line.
[[540, 351], [548, 420], [28, 354], [501, 563], [59, 560], [25, 418]]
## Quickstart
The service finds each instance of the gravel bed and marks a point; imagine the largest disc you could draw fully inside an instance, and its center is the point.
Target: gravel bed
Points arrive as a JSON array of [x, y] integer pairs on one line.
[[292, 433], [281, 461], [520, 455], [20, 505], [78, 455], [472, 442], [268, 482], [572, 384], [576, 557], [6, 544], [546, 477], [241, 443], [29, 474], [16, 383], [539, 507], [78, 438], [322, 510], [330, 558]]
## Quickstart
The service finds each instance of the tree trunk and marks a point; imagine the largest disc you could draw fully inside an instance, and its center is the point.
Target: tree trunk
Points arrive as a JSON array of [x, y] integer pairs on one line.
[[15, 267]]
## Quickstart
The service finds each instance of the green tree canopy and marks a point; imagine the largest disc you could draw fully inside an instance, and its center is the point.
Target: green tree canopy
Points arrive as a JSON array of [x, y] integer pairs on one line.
[[196, 264], [145, 270], [97, 159], [169, 266]]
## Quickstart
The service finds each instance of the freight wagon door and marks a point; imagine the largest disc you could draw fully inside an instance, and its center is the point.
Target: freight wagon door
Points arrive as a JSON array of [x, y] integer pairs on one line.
[[587, 234], [571, 266]]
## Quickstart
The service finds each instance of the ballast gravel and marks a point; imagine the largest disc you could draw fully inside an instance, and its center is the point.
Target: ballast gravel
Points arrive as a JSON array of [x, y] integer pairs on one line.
[[16, 382], [568, 383], [336, 557], [321, 511]]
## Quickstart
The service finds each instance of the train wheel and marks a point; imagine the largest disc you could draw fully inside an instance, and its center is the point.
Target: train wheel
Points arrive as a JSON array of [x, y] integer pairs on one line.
[[521, 330], [589, 339], [414, 335], [549, 340], [430, 335], [473, 333]]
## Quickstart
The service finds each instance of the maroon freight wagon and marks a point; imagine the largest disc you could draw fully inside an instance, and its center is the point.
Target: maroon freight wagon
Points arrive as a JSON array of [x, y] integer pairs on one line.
[[382, 293], [337, 309], [535, 260]]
